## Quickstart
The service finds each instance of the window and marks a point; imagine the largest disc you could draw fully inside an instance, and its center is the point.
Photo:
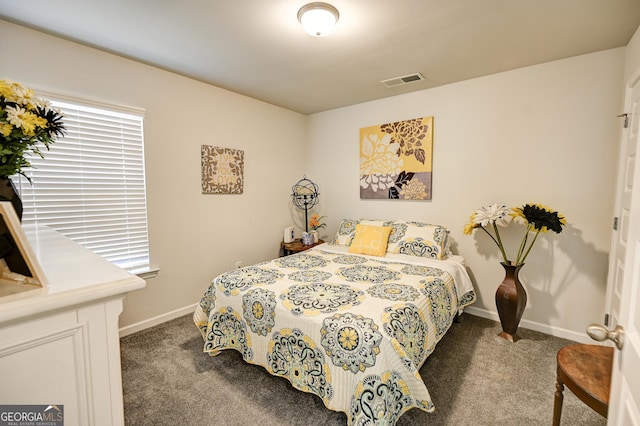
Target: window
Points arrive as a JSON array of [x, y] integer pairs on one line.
[[90, 186]]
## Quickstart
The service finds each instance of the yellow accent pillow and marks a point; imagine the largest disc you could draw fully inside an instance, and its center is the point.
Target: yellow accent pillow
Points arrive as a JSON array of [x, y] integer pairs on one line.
[[370, 239]]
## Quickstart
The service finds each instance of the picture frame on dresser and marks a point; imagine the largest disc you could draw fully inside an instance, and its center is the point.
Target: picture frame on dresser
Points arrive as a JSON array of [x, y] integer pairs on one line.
[[19, 267]]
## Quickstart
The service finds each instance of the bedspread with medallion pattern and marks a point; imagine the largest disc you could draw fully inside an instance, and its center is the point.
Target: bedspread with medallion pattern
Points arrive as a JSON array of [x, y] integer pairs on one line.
[[351, 329]]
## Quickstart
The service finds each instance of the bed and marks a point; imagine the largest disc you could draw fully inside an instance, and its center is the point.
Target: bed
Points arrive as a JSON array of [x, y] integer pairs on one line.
[[351, 321]]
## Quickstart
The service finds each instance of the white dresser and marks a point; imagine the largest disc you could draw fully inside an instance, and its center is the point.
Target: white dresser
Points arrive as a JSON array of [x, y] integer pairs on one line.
[[60, 344]]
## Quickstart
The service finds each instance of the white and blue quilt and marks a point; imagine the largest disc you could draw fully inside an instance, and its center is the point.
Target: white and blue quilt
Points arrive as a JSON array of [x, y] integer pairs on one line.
[[351, 329]]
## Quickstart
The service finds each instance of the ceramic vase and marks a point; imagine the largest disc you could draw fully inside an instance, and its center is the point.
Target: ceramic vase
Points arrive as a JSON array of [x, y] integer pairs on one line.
[[511, 299]]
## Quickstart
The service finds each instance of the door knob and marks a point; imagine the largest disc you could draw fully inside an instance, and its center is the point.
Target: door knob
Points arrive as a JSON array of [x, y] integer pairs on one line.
[[600, 333]]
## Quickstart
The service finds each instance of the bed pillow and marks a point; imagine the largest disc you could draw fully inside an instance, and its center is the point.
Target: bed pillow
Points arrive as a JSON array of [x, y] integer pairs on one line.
[[419, 239], [347, 230], [370, 239]]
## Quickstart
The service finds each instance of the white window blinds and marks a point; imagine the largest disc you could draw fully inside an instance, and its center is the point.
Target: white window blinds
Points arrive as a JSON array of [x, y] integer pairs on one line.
[[90, 186]]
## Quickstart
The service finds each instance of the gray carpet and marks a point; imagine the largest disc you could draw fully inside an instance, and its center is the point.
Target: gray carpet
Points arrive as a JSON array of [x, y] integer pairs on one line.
[[474, 377]]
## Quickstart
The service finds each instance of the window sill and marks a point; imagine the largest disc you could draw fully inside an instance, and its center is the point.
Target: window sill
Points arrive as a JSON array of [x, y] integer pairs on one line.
[[146, 272]]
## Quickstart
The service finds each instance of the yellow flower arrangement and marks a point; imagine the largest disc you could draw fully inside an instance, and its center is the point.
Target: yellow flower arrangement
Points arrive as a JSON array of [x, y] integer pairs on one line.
[[26, 122]]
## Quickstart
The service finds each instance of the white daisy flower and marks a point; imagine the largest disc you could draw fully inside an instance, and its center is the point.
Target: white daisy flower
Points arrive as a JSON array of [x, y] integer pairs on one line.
[[499, 214]]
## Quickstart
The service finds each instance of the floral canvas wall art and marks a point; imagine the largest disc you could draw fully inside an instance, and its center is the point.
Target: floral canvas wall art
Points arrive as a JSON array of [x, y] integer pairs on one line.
[[396, 160], [222, 170]]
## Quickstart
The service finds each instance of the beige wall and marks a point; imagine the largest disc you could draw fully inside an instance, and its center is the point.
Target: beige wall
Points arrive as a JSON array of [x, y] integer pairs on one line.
[[545, 133], [193, 237]]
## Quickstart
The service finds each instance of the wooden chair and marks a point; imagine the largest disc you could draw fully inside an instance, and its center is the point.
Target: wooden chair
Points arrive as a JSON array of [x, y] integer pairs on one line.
[[586, 371]]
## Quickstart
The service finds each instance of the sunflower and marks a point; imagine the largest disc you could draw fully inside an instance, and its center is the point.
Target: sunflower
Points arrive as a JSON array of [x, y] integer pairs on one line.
[[539, 218]]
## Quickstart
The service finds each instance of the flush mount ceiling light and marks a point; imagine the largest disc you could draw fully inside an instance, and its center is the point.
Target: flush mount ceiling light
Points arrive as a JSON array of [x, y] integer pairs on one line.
[[318, 19]]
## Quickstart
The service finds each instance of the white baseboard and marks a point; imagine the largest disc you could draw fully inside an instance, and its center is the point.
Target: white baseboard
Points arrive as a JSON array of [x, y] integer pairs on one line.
[[139, 326], [536, 326]]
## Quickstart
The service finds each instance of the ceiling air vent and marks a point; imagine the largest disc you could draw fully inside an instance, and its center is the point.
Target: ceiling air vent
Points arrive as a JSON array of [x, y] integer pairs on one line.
[[405, 79]]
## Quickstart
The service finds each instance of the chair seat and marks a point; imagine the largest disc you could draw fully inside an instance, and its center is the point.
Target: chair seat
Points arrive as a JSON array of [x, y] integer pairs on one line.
[[586, 371]]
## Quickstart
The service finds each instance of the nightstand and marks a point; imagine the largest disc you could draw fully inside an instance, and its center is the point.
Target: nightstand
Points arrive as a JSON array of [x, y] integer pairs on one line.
[[295, 247]]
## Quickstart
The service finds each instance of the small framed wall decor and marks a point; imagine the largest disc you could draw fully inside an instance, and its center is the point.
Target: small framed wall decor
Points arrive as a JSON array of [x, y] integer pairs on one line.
[[222, 170], [19, 267], [396, 160]]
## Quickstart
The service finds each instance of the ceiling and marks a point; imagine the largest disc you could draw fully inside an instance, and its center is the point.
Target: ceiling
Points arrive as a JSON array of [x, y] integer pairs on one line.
[[258, 48]]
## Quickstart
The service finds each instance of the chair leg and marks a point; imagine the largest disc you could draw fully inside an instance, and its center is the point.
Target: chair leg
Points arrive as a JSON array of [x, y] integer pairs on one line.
[[557, 402]]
